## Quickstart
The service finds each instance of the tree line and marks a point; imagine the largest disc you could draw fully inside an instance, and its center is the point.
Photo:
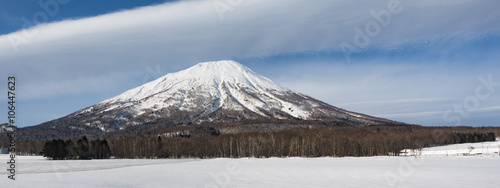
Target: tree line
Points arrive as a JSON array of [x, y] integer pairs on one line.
[[58, 149], [305, 142], [474, 137], [302, 142], [334, 141]]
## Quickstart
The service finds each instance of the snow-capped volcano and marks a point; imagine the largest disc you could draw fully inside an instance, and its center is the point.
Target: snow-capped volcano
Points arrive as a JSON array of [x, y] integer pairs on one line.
[[219, 91], [207, 87], [211, 76]]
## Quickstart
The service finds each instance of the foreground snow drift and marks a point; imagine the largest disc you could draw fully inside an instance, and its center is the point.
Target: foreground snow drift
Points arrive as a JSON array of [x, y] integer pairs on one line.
[[429, 170]]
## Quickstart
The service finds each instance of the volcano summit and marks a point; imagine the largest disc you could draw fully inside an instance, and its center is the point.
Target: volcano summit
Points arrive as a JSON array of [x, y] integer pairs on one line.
[[209, 92]]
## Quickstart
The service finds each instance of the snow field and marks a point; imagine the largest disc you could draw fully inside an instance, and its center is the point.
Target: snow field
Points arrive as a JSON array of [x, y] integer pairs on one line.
[[432, 169]]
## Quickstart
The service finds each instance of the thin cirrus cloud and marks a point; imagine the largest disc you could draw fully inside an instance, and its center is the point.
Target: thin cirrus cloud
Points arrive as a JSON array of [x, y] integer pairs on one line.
[[120, 46], [413, 93], [263, 27]]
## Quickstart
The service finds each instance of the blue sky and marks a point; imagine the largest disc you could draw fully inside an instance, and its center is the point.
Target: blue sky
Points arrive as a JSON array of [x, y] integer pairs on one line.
[[421, 62], [12, 12]]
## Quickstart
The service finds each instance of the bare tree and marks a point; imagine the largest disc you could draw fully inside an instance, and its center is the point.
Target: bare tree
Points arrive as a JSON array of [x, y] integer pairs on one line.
[[471, 148]]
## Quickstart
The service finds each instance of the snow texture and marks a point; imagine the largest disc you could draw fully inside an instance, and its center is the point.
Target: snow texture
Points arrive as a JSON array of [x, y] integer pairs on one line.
[[434, 169], [214, 91], [226, 84]]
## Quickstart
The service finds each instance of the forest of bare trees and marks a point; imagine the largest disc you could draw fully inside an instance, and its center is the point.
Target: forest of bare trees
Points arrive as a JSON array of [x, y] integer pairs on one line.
[[302, 142]]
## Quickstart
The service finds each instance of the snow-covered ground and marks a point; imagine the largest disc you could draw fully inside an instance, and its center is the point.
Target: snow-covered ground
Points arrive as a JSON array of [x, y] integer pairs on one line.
[[437, 167], [477, 149]]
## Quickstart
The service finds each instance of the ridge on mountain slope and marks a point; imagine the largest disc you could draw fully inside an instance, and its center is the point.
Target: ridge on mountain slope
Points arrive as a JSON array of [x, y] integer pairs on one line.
[[218, 91]]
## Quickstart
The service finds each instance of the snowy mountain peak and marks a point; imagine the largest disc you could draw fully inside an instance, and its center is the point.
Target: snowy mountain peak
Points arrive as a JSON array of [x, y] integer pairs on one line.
[[220, 66], [218, 69], [217, 91], [215, 74]]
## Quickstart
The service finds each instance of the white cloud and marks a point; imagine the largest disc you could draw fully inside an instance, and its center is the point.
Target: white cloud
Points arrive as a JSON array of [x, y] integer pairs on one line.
[[410, 93], [254, 28]]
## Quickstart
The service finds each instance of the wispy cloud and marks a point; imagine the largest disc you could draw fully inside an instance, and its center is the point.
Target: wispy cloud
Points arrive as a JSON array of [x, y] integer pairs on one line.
[[411, 115], [400, 101], [405, 92], [483, 116], [254, 28]]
